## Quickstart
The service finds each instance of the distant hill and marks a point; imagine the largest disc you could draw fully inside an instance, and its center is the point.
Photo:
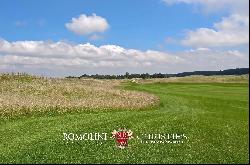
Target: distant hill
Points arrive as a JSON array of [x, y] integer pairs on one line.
[[237, 71]]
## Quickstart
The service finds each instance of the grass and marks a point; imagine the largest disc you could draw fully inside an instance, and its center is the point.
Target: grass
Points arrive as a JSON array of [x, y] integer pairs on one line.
[[201, 79], [214, 116], [23, 94]]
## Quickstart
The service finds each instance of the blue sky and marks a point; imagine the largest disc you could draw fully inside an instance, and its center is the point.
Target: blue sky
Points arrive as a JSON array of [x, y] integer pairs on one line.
[[171, 27], [133, 24]]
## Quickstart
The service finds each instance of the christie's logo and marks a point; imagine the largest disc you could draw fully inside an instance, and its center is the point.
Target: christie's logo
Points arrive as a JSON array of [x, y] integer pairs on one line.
[[122, 136]]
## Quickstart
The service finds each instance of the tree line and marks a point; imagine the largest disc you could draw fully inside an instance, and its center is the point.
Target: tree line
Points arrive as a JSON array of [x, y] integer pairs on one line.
[[237, 71]]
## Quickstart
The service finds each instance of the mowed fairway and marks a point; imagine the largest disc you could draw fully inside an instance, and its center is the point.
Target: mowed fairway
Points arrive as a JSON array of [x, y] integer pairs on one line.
[[214, 117]]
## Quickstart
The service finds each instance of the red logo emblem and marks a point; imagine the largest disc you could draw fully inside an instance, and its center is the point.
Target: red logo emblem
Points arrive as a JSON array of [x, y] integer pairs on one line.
[[122, 136]]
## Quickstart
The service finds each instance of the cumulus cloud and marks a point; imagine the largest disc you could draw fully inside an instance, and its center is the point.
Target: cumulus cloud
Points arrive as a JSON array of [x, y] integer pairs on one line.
[[231, 31], [62, 59], [85, 25]]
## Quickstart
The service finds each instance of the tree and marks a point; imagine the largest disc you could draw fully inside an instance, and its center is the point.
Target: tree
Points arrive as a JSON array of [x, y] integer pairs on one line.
[[126, 75]]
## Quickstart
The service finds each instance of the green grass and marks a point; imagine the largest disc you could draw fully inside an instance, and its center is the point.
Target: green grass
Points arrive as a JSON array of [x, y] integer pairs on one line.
[[214, 116]]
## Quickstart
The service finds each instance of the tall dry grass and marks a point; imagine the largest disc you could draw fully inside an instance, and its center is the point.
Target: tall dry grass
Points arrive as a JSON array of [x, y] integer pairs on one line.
[[20, 93]]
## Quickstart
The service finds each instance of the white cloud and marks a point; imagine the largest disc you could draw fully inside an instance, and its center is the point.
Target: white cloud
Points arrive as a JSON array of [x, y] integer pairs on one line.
[[203, 49], [85, 25], [231, 31], [234, 22], [61, 58]]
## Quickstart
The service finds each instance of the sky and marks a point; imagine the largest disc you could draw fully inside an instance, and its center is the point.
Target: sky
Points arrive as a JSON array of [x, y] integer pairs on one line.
[[64, 37]]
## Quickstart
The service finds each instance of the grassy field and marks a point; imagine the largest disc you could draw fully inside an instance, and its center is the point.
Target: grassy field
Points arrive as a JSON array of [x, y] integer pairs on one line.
[[213, 115]]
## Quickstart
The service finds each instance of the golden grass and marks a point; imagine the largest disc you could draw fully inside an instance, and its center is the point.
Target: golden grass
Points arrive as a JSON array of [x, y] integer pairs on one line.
[[34, 93]]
